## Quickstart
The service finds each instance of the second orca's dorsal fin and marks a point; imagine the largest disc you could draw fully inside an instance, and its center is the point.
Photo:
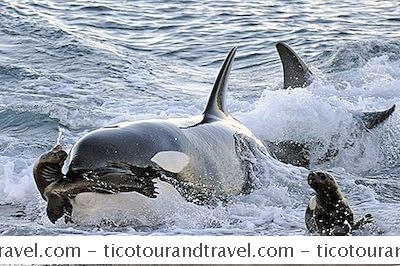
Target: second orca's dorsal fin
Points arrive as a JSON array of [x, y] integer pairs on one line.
[[216, 102], [295, 72]]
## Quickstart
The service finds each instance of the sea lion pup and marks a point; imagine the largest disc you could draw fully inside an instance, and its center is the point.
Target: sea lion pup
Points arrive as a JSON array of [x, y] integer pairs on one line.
[[328, 213], [47, 168], [57, 190], [198, 159]]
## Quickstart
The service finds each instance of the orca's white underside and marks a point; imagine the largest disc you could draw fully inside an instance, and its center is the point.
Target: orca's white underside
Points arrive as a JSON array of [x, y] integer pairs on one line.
[[134, 209]]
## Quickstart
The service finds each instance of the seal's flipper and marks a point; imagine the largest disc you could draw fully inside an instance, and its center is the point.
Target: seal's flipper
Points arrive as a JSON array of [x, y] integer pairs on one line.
[[367, 219], [113, 178], [343, 229], [114, 183], [125, 178], [373, 119], [57, 206], [295, 72], [216, 102]]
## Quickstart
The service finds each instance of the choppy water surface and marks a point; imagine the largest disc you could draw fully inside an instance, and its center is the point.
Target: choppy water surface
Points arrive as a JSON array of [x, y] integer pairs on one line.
[[79, 65]]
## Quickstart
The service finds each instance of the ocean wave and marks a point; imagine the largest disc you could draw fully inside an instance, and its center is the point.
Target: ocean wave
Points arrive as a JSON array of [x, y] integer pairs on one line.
[[80, 66]]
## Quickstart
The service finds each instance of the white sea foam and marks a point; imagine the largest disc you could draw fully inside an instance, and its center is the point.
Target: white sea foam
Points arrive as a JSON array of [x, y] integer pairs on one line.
[[133, 209], [84, 71], [16, 182], [319, 112], [325, 113]]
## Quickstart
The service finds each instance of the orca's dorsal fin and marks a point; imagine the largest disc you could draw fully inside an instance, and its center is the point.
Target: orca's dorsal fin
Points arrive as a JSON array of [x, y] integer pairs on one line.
[[373, 119], [295, 72], [216, 102]]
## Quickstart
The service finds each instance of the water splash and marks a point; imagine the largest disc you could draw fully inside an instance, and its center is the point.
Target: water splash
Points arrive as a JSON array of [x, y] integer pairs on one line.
[[60, 136], [87, 70]]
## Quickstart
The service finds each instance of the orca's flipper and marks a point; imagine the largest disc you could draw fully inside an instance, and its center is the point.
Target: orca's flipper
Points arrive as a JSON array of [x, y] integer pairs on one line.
[[216, 102], [295, 72], [373, 119]]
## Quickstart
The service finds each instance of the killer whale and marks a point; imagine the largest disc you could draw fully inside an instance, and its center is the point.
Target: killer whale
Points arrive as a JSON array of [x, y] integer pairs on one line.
[[296, 74], [199, 157]]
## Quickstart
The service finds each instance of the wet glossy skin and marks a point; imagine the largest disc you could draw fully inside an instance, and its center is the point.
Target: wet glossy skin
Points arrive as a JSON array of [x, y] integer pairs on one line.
[[47, 168], [211, 148], [329, 212]]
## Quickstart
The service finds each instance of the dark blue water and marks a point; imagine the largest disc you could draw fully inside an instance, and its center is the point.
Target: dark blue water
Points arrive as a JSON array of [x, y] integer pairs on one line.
[[76, 66]]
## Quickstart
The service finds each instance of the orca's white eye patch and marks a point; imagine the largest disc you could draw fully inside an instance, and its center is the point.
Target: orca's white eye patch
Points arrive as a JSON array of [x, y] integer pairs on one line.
[[172, 161]]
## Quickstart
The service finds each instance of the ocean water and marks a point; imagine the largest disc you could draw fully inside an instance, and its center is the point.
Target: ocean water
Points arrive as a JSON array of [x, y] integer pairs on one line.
[[75, 66]]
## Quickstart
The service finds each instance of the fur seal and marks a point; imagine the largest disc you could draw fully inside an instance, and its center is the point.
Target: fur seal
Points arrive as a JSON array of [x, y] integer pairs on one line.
[[56, 189], [297, 74], [47, 167], [200, 157], [328, 212]]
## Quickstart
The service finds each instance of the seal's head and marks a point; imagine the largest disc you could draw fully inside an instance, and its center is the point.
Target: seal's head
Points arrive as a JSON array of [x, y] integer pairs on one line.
[[323, 183], [55, 156], [47, 168]]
